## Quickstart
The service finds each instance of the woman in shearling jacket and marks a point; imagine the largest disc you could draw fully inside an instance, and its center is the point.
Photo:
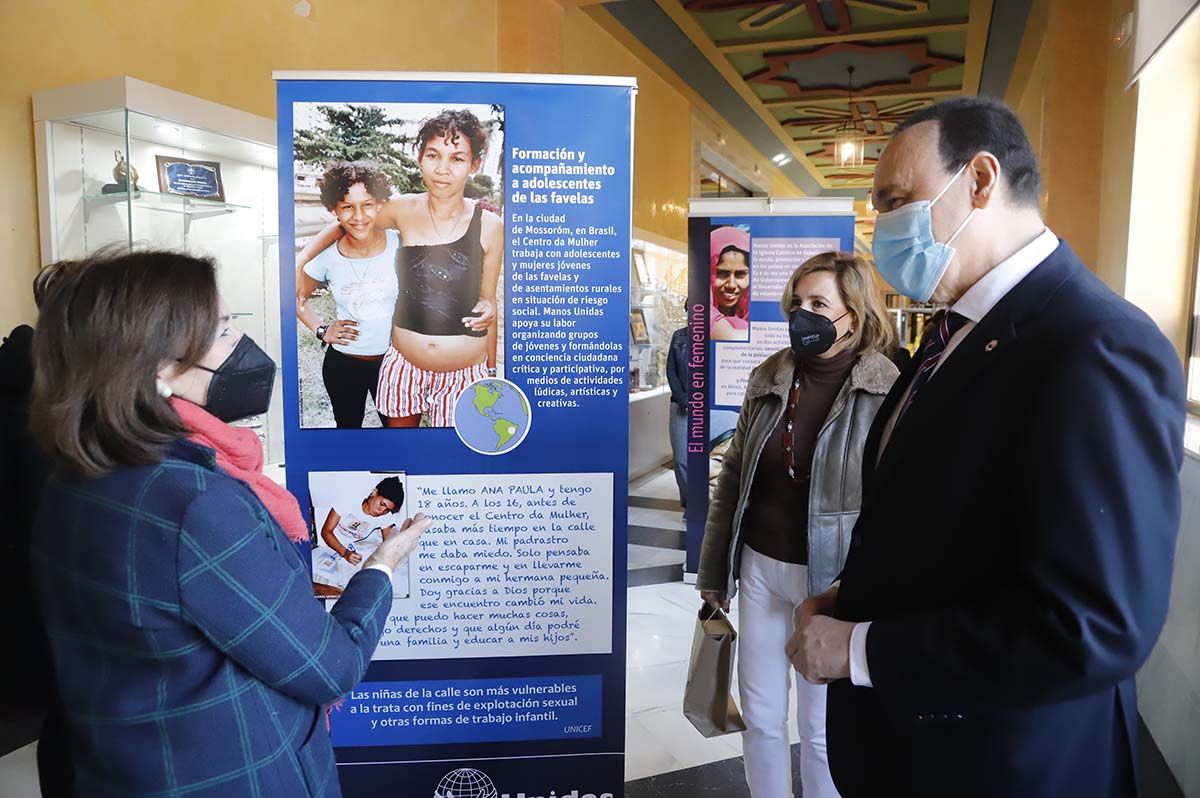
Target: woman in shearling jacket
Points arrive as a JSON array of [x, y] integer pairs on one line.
[[787, 498]]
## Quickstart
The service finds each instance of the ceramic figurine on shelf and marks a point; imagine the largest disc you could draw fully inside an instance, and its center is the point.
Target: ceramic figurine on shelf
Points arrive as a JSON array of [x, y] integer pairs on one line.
[[123, 173]]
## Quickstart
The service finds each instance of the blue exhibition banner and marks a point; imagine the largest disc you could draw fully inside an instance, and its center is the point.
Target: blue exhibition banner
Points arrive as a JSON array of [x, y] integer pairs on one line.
[[738, 268], [456, 253]]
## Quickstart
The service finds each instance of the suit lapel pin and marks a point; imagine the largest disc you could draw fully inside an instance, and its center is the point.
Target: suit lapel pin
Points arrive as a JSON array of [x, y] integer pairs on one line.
[[992, 344]]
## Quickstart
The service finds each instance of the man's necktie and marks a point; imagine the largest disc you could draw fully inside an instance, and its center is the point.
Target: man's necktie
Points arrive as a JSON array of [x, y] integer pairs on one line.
[[944, 325]]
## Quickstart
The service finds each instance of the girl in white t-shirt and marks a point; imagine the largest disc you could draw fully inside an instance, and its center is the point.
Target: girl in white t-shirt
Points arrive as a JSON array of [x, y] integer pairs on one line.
[[360, 271], [351, 532]]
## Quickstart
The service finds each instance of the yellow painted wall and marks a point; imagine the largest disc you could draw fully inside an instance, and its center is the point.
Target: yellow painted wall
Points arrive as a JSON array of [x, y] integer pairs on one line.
[[530, 36], [713, 131], [1079, 32], [1116, 173], [97, 39], [1121, 168], [1166, 185], [231, 48], [1060, 72], [662, 132], [245, 41], [1026, 92], [1030, 106]]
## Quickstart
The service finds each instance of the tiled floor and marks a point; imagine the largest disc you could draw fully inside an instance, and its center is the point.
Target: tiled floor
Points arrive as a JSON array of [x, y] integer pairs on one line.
[[658, 484], [651, 556], [18, 773], [656, 516], [723, 779], [656, 530], [726, 779], [658, 739]]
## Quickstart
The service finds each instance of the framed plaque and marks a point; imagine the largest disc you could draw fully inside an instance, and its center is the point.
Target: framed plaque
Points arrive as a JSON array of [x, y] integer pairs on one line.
[[637, 326], [190, 178]]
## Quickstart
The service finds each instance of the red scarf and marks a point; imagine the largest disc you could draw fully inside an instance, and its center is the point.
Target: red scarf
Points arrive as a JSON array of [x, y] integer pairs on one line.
[[240, 454]]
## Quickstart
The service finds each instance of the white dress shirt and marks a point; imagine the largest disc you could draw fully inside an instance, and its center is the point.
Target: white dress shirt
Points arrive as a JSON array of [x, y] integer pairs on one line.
[[976, 303]]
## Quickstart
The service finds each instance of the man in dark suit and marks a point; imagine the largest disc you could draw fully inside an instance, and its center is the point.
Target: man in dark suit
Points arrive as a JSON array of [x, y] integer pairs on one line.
[[1010, 569]]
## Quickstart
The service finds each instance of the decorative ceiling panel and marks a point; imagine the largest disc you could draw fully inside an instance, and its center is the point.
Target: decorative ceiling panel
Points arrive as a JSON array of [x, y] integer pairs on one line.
[[793, 59]]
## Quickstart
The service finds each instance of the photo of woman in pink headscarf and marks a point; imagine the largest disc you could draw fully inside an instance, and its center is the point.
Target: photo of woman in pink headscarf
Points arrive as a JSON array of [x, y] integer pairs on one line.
[[729, 256]]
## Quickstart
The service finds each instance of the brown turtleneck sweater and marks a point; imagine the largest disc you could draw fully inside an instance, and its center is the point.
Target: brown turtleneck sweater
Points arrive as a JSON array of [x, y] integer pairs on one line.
[[775, 522]]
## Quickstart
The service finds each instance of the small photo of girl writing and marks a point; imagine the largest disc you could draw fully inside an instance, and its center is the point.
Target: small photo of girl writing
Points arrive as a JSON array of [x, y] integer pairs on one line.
[[352, 513]]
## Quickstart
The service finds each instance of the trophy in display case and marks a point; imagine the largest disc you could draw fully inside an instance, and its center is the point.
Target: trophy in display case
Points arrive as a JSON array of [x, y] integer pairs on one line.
[[124, 175]]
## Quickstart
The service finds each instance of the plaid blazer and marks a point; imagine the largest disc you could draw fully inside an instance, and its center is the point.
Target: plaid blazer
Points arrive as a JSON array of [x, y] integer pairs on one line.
[[190, 654]]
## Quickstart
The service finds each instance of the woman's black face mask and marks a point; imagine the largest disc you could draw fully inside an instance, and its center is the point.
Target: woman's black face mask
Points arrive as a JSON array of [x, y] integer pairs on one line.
[[812, 334], [241, 386]]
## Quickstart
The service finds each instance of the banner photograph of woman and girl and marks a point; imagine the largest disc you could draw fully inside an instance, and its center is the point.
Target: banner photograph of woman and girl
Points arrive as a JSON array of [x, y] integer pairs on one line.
[[400, 256]]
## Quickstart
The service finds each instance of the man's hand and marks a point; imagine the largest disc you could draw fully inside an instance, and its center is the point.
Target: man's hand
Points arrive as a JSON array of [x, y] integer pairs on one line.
[[352, 557], [820, 647]]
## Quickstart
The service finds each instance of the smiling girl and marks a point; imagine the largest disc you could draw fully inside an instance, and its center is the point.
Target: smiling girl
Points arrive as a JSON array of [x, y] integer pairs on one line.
[[358, 269]]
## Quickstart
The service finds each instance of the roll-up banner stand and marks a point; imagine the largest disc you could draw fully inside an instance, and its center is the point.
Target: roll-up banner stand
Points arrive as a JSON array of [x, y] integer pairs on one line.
[[473, 232]]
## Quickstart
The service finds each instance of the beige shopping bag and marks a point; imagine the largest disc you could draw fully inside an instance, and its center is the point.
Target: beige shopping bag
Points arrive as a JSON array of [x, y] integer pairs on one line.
[[707, 701]]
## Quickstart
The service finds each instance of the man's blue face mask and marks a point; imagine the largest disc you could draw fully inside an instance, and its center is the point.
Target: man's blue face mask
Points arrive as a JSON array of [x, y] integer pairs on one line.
[[905, 253]]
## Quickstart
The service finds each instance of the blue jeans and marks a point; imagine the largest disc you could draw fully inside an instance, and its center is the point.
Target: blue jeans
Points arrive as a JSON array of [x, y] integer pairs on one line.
[[678, 429]]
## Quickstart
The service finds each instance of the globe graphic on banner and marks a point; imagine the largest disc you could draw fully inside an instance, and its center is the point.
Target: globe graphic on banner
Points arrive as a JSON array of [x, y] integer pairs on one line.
[[465, 783], [492, 416]]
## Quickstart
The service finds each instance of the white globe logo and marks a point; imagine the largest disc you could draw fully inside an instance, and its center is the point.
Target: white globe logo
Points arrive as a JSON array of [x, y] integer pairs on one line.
[[465, 783]]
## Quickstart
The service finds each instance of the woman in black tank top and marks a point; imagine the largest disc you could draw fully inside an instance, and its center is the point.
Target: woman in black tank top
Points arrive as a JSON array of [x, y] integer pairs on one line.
[[440, 284]]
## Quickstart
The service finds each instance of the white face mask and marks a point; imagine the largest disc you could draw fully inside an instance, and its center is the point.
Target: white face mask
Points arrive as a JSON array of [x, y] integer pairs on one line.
[[905, 252]]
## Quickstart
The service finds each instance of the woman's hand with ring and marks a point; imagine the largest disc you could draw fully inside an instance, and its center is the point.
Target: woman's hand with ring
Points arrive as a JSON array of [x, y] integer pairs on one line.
[[342, 331], [717, 599], [397, 547]]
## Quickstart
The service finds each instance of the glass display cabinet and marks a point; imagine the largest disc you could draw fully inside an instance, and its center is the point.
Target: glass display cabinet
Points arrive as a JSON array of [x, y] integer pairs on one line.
[[125, 163], [658, 295]]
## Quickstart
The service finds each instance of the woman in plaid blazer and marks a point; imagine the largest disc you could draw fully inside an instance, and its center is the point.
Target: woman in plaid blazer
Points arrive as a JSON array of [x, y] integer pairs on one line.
[[190, 654]]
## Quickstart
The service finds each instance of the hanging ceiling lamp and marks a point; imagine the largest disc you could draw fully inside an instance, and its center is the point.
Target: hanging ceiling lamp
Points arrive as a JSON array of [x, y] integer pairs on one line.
[[849, 144]]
